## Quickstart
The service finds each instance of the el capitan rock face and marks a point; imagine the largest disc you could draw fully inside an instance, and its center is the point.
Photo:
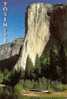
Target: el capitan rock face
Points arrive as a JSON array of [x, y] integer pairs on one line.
[[43, 21], [38, 32], [58, 22]]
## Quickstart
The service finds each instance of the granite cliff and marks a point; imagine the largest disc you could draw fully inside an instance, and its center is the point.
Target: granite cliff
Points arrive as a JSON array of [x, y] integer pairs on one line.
[[37, 33], [43, 21]]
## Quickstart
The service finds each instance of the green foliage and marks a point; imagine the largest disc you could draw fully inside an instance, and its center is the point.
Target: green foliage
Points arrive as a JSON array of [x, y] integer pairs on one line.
[[29, 68], [52, 68], [63, 64], [36, 85], [18, 88], [41, 76], [52, 64], [58, 86], [1, 77], [41, 84], [28, 84], [44, 59], [37, 62], [4, 75], [9, 81], [37, 69]]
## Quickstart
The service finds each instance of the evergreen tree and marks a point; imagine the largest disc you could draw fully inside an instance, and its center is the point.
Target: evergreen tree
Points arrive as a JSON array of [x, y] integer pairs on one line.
[[52, 67], [29, 68], [62, 64], [37, 68]]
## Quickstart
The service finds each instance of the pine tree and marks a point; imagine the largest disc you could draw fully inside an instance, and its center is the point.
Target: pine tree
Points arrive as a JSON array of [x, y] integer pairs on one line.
[[37, 68], [52, 68], [29, 68], [63, 65]]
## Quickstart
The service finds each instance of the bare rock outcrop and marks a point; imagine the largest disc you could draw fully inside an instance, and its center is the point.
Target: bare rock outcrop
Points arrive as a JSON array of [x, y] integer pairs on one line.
[[43, 21], [9, 53], [38, 32]]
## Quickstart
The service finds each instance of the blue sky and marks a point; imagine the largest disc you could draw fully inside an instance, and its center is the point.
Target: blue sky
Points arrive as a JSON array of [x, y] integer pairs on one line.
[[16, 17]]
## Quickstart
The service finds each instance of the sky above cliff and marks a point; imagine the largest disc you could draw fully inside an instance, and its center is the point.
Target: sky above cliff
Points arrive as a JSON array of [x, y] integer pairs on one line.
[[16, 17]]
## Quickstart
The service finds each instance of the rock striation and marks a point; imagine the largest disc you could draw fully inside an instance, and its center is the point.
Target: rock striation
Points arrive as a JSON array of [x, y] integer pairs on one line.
[[38, 32], [43, 21]]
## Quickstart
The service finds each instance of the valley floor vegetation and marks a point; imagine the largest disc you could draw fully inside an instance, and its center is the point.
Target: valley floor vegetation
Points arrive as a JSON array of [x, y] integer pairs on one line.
[[49, 73]]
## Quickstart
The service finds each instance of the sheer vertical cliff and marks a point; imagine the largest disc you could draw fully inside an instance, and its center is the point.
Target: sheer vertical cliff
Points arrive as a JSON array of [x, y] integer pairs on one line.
[[37, 32], [42, 21]]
